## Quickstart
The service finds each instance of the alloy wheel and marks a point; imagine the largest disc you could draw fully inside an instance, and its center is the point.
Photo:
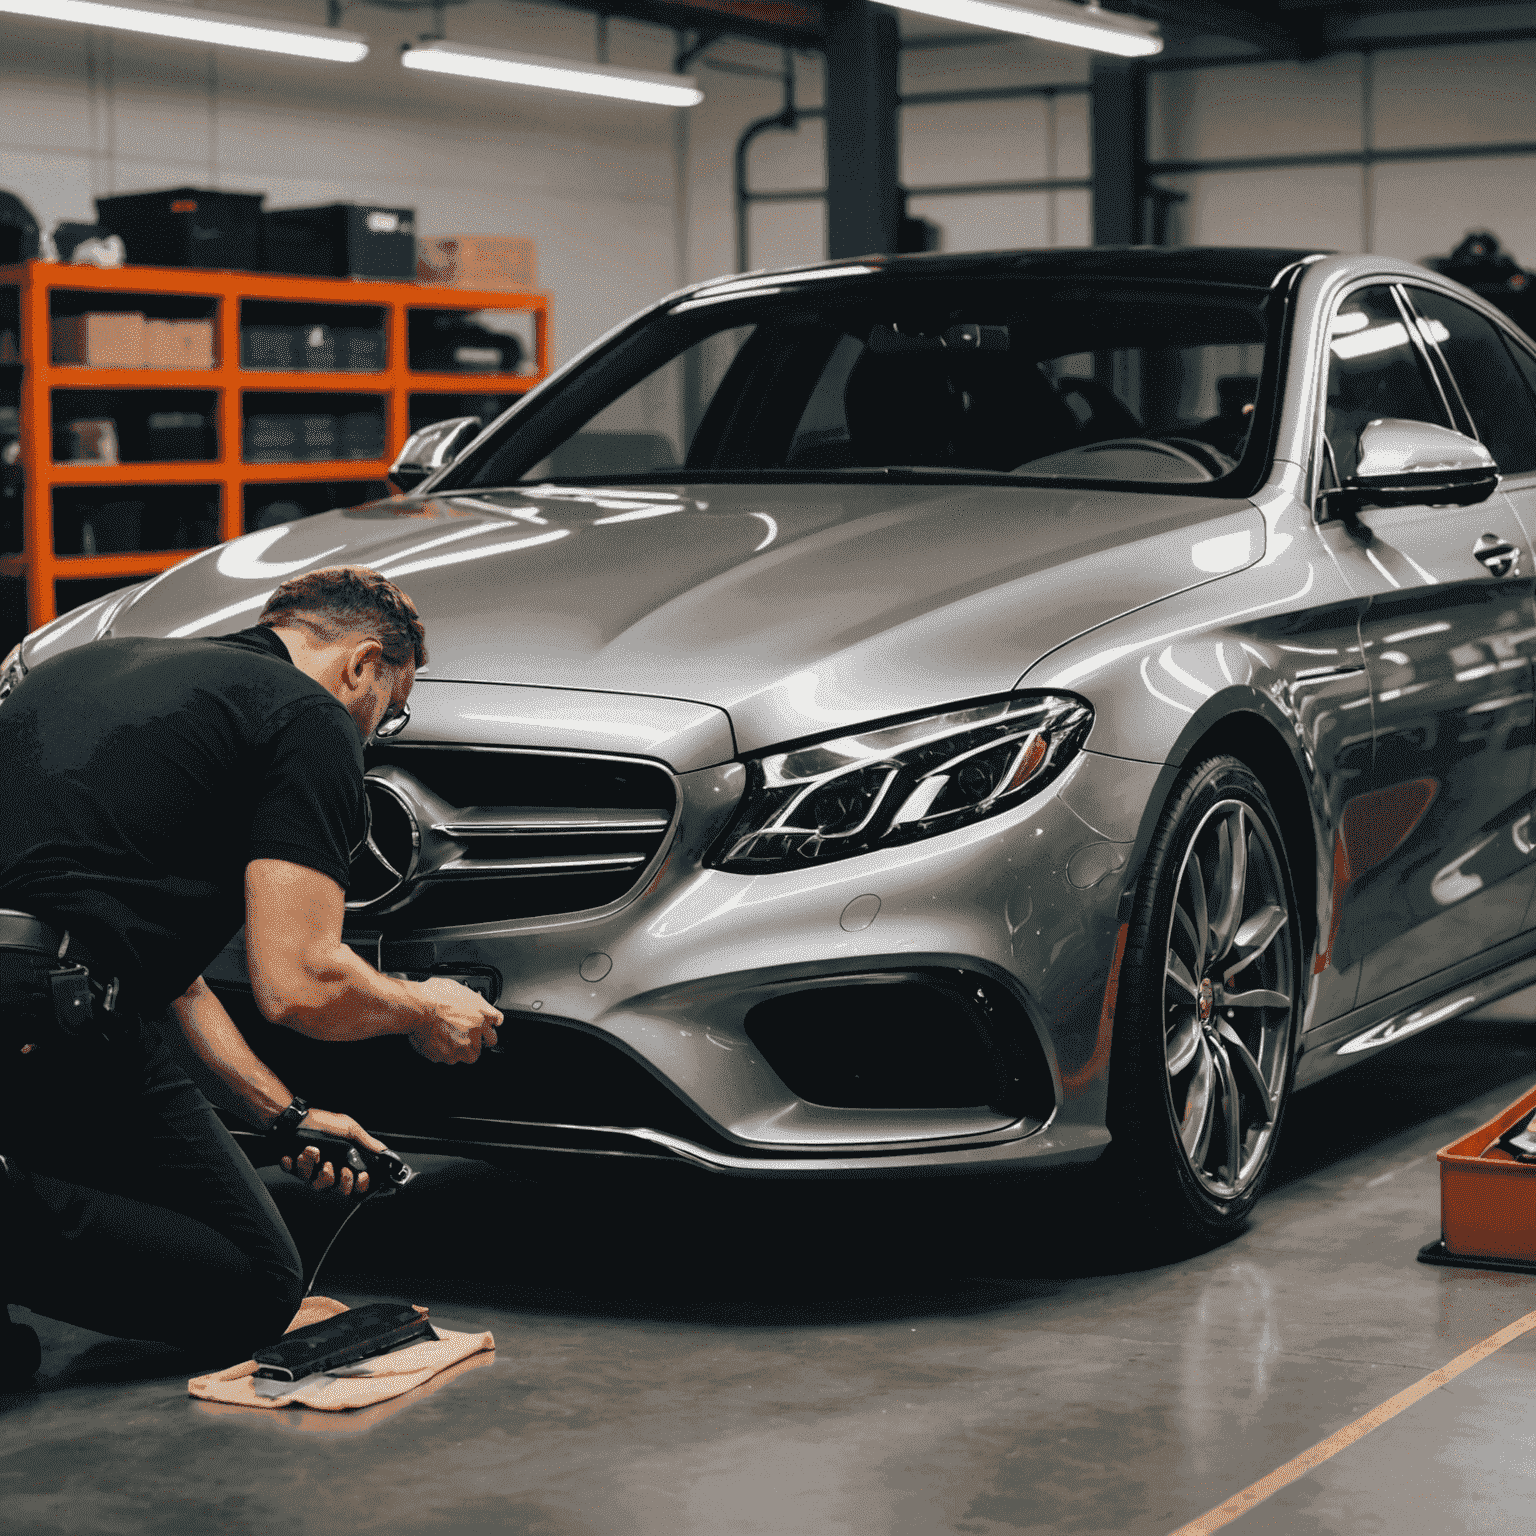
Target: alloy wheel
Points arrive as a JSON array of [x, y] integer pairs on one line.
[[1228, 999]]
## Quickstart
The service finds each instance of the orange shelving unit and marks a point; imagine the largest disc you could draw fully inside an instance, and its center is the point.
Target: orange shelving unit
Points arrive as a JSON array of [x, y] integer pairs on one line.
[[34, 294]]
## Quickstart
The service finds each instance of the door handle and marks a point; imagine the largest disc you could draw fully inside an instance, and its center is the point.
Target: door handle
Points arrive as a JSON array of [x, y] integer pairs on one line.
[[1500, 556]]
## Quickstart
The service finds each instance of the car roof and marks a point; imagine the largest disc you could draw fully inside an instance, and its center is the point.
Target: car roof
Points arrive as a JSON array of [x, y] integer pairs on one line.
[[1239, 266]]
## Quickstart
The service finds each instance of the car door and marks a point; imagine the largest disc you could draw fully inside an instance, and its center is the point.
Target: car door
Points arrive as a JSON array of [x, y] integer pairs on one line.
[[1491, 375], [1436, 871]]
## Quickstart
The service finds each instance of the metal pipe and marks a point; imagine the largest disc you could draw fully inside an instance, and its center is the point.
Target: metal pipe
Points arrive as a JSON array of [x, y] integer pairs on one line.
[[787, 118], [984, 188], [1341, 157], [1163, 66], [991, 93]]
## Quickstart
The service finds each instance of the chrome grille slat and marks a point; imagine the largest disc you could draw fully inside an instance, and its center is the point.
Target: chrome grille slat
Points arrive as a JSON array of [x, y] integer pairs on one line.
[[547, 821], [557, 864]]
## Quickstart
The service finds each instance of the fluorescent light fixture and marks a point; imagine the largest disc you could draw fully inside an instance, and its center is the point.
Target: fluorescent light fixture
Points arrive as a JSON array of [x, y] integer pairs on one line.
[[552, 74], [204, 27], [1053, 21]]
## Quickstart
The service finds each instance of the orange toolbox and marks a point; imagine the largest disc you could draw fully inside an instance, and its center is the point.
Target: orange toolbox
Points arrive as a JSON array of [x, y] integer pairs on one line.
[[1487, 1199]]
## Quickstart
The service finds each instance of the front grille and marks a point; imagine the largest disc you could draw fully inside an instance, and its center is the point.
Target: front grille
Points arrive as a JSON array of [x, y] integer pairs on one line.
[[484, 834]]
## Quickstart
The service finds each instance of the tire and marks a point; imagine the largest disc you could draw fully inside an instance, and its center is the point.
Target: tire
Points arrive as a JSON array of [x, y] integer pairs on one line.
[[1204, 1050]]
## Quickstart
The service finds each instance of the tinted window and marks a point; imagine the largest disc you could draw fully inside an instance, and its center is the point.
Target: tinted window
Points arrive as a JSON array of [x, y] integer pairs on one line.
[[1041, 379], [1524, 362], [1374, 371], [1492, 390], [649, 427]]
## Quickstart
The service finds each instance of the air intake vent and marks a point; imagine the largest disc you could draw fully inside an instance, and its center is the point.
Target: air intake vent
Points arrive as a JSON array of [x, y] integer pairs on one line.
[[463, 835]]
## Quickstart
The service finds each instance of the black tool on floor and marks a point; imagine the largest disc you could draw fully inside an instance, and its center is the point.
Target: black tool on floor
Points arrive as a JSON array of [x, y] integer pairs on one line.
[[352, 1336], [1520, 1139]]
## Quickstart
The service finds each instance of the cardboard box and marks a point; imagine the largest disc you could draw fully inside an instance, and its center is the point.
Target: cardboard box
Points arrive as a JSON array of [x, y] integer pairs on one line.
[[178, 344], [498, 262], [100, 340], [91, 440]]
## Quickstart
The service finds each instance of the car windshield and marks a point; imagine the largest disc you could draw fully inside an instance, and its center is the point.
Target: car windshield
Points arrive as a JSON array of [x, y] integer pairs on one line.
[[1045, 380]]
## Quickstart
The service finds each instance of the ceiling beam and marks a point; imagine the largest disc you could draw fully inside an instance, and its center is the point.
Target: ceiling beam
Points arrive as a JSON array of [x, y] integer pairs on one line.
[[1285, 38], [788, 23]]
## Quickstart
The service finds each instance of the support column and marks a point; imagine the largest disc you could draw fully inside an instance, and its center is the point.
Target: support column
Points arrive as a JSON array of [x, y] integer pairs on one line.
[[863, 204], [1119, 152]]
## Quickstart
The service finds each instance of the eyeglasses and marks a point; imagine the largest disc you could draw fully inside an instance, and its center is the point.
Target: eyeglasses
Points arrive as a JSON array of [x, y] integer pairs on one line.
[[394, 721]]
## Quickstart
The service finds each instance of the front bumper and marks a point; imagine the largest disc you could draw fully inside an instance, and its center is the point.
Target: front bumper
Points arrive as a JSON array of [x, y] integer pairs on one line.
[[1022, 907]]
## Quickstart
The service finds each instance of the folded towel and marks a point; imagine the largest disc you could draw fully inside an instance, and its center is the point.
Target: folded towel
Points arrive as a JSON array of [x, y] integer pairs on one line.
[[387, 1376]]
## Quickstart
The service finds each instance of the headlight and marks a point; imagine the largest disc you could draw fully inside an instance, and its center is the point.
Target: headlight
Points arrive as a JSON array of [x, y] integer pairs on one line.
[[892, 784], [12, 670]]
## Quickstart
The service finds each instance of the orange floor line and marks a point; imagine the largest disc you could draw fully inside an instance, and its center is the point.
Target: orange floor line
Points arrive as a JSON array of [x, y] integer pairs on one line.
[[1255, 1493]]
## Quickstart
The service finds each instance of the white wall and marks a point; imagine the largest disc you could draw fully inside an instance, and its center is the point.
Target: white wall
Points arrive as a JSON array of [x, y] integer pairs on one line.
[[940, 144], [88, 113], [1414, 98], [628, 202], [1449, 93]]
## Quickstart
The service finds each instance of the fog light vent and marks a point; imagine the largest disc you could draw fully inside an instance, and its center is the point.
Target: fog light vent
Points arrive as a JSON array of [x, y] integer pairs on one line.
[[905, 1040]]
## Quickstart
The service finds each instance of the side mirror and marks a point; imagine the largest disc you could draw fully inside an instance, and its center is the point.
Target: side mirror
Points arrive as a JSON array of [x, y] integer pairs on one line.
[[431, 449], [1414, 463]]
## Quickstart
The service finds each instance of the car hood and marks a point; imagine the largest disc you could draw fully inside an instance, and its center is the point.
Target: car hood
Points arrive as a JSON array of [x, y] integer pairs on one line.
[[795, 608]]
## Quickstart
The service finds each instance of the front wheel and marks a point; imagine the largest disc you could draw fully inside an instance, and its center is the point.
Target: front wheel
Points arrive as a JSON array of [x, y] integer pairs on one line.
[[1209, 1005]]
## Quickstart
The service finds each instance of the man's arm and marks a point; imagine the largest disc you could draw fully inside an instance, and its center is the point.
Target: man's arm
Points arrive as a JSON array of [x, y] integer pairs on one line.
[[220, 1046], [306, 978]]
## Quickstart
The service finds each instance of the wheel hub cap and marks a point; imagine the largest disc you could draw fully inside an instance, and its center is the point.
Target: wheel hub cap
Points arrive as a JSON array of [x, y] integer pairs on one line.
[[1207, 1000]]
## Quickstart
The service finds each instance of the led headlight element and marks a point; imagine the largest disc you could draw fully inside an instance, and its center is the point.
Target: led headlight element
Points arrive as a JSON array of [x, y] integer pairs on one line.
[[892, 784]]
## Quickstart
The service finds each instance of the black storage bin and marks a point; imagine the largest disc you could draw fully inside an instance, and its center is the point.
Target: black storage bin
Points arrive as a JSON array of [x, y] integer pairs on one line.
[[271, 438], [317, 347], [317, 438], [175, 435], [449, 341], [186, 227], [270, 346], [361, 435], [343, 240], [359, 350]]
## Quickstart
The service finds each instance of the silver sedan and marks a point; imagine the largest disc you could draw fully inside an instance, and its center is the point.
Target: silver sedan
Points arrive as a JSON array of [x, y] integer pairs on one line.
[[948, 713]]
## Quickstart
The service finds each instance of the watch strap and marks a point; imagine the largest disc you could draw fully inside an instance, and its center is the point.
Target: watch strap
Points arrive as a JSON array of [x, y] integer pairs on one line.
[[288, 1122]]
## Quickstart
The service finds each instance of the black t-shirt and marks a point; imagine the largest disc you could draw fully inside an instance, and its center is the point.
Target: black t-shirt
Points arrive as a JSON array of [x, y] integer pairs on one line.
[[141, 776]]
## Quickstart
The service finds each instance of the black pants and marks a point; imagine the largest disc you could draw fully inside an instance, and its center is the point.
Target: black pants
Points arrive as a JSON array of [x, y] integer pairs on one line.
[[135, 1214]]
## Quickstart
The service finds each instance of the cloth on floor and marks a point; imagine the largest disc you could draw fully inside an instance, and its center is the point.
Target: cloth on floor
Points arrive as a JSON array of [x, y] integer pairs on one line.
[[388, 1375]]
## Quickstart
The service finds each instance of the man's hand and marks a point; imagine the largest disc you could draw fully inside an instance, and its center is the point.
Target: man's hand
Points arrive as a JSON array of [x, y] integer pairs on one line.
[[461, 1022], [318, 1175]]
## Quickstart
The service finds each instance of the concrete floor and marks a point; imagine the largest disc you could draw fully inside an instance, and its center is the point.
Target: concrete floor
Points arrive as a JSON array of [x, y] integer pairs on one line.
[[682, 1357]]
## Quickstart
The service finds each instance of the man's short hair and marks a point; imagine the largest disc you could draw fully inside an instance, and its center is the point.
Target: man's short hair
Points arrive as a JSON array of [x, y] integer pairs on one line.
[[351, 600]]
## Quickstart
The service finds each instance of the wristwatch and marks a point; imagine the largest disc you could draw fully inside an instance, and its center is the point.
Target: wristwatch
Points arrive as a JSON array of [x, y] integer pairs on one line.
[[288, 1122]]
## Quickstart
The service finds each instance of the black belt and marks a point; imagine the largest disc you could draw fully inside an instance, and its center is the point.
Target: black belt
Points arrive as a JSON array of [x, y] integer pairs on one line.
[[20, 930]]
